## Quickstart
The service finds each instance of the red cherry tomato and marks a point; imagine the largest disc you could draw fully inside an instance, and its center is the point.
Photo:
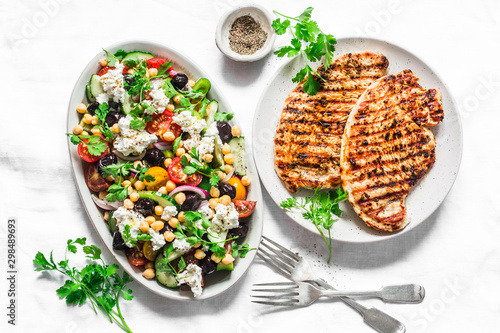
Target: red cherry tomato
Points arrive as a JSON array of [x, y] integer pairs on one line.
[[104, 70], [136, 257], [156, 62], [83, 151], [162, 123], [95, 182], [244, 208], [179, 177]]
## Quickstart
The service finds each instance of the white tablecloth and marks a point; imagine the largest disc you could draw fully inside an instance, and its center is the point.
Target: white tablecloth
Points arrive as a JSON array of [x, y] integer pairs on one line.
[[455, 254]]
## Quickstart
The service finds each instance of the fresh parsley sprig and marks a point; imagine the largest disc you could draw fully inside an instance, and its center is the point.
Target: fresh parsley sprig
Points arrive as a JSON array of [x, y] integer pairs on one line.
[[101, 112], [97, 282], [195, 165], [319, 210], [308, 41], [128, 239], [95, 145], [119, 172]]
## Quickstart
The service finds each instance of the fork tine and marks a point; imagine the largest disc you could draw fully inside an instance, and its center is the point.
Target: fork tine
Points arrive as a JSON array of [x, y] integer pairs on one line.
[[286, 290], [282, 268], [280, 254], [277, 297], [285, 250], [277, 303], [291, 284]]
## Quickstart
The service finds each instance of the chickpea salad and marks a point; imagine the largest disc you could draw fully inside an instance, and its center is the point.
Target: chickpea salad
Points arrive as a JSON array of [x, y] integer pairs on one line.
[[166, 168]]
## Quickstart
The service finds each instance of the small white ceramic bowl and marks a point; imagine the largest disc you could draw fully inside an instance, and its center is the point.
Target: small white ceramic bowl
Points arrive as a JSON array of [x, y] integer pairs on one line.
[[261, 16]]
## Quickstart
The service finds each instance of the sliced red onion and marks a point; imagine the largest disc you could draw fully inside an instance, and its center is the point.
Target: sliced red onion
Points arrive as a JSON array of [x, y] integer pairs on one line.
[[130, 157], [202, 204], [106, 205], [163, 145], [188, 188], [172, 72], [229, 175]]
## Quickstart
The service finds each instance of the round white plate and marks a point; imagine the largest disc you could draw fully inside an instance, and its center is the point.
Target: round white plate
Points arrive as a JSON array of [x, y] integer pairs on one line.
[[215, 283], [428, 193]]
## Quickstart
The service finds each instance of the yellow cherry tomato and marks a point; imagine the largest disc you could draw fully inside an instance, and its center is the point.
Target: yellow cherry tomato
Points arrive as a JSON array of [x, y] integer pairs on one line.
[[241, 191], [161, 178], [148, 251]]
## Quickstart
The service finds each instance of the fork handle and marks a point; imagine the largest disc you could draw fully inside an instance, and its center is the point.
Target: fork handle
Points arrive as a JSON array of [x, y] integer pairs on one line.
[[374, 317]]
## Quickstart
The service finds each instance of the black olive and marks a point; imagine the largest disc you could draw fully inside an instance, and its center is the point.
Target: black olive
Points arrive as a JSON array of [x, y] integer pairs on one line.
[[208, 266], [145, 206], [179, 80], [241, 231], [166, 227], [92, 107], [192, 202], [105, 161], [224, 131], [227, 189], [118, 242], [129, 80], [113, 118], [189, 258], [154, 157]]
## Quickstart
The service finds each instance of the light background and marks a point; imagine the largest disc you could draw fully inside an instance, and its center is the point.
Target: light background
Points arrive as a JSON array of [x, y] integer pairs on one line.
[[455, 253]]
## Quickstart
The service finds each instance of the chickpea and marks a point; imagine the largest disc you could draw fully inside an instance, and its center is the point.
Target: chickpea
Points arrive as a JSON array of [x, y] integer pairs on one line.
[[162, 190], [102, 195], [81, 108], [180, 198], [130, 190], [191, 83], [144, 227], [181, 217], [213, 203], [134, 196], [150, 219], [221, 174], [95, 120], [85, 133], [215, 259], [228, 168], [229, 158], [246, 180], [106, 216], [199, 254], [168, 136], [149, 273], [236, 131], [95, 131], [170, 186], [177, 99], [139, 185], [197, 245], [127, 203], [167, 162], [214, 192], [126, 183], [158, 210], [169, 236], [180, 152], [208, 158], [227, 259], [137, 164], [77, 130], [150, 264], [115, 128], [226, 149], [225, 200], [131, 71], [153, 71], [103, 62], [173, 222], [87, 118], [157, 225], [110, 178], [170, 107]]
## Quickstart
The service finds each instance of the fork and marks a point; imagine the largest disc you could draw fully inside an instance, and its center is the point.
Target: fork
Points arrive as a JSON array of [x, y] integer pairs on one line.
[[303, 294], [295, 268]]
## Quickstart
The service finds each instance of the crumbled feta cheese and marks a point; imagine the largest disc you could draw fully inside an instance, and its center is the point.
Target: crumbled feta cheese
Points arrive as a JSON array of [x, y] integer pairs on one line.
[[181, 245], [132, 218], [112, 83], [188, 123], [131, 141], [169, 212], [192, 277], [206, 211], [225, 218], [159, 100], [157, 239], [102, 98]]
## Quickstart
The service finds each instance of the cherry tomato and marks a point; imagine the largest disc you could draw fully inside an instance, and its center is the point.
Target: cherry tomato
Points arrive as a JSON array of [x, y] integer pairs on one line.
[[135, 256], [104, 70], [148, 251], [179, 177], [162, 123], [156, 62], [161, 178], [83, 151], [241, 191], [95, 182], [244, 208]]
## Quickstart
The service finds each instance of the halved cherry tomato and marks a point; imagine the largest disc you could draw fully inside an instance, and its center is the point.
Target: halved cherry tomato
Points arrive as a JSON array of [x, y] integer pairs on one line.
[[241, 191], [179, 177], [161, 178], [104, 70], [156, 62], [244, 208], [162, 123], [95, 182], [135, 256], [148, 251], [83, 151]]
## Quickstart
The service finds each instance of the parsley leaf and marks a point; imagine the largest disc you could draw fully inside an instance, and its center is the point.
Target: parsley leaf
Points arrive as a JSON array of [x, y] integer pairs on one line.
[[95, 145], [223, 116], [163, 69]]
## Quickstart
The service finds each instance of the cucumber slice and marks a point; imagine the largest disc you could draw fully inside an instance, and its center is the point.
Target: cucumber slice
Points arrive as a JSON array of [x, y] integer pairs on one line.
[[225, 267], [141, 56], [164, 277], [218, 159], [162, 199], [238, 150], [204, 85], [112, 223], [95, 86], [213, 106], [86, 127], [217, 237], [88, 94], [127, 104]]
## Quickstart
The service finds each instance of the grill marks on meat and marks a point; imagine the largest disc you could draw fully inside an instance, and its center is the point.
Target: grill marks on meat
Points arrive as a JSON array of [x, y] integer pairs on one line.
[[387, 148], [308, 137]]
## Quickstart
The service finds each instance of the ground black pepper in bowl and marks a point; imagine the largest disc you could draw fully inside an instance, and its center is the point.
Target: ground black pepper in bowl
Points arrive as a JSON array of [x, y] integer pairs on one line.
[[246, 36]]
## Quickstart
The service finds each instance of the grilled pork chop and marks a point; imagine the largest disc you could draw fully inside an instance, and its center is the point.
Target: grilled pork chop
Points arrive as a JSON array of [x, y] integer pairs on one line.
[[387, 148], [307, 142]]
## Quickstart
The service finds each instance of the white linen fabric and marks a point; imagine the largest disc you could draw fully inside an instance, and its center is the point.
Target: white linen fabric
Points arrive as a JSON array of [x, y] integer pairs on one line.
[[455, 254]]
